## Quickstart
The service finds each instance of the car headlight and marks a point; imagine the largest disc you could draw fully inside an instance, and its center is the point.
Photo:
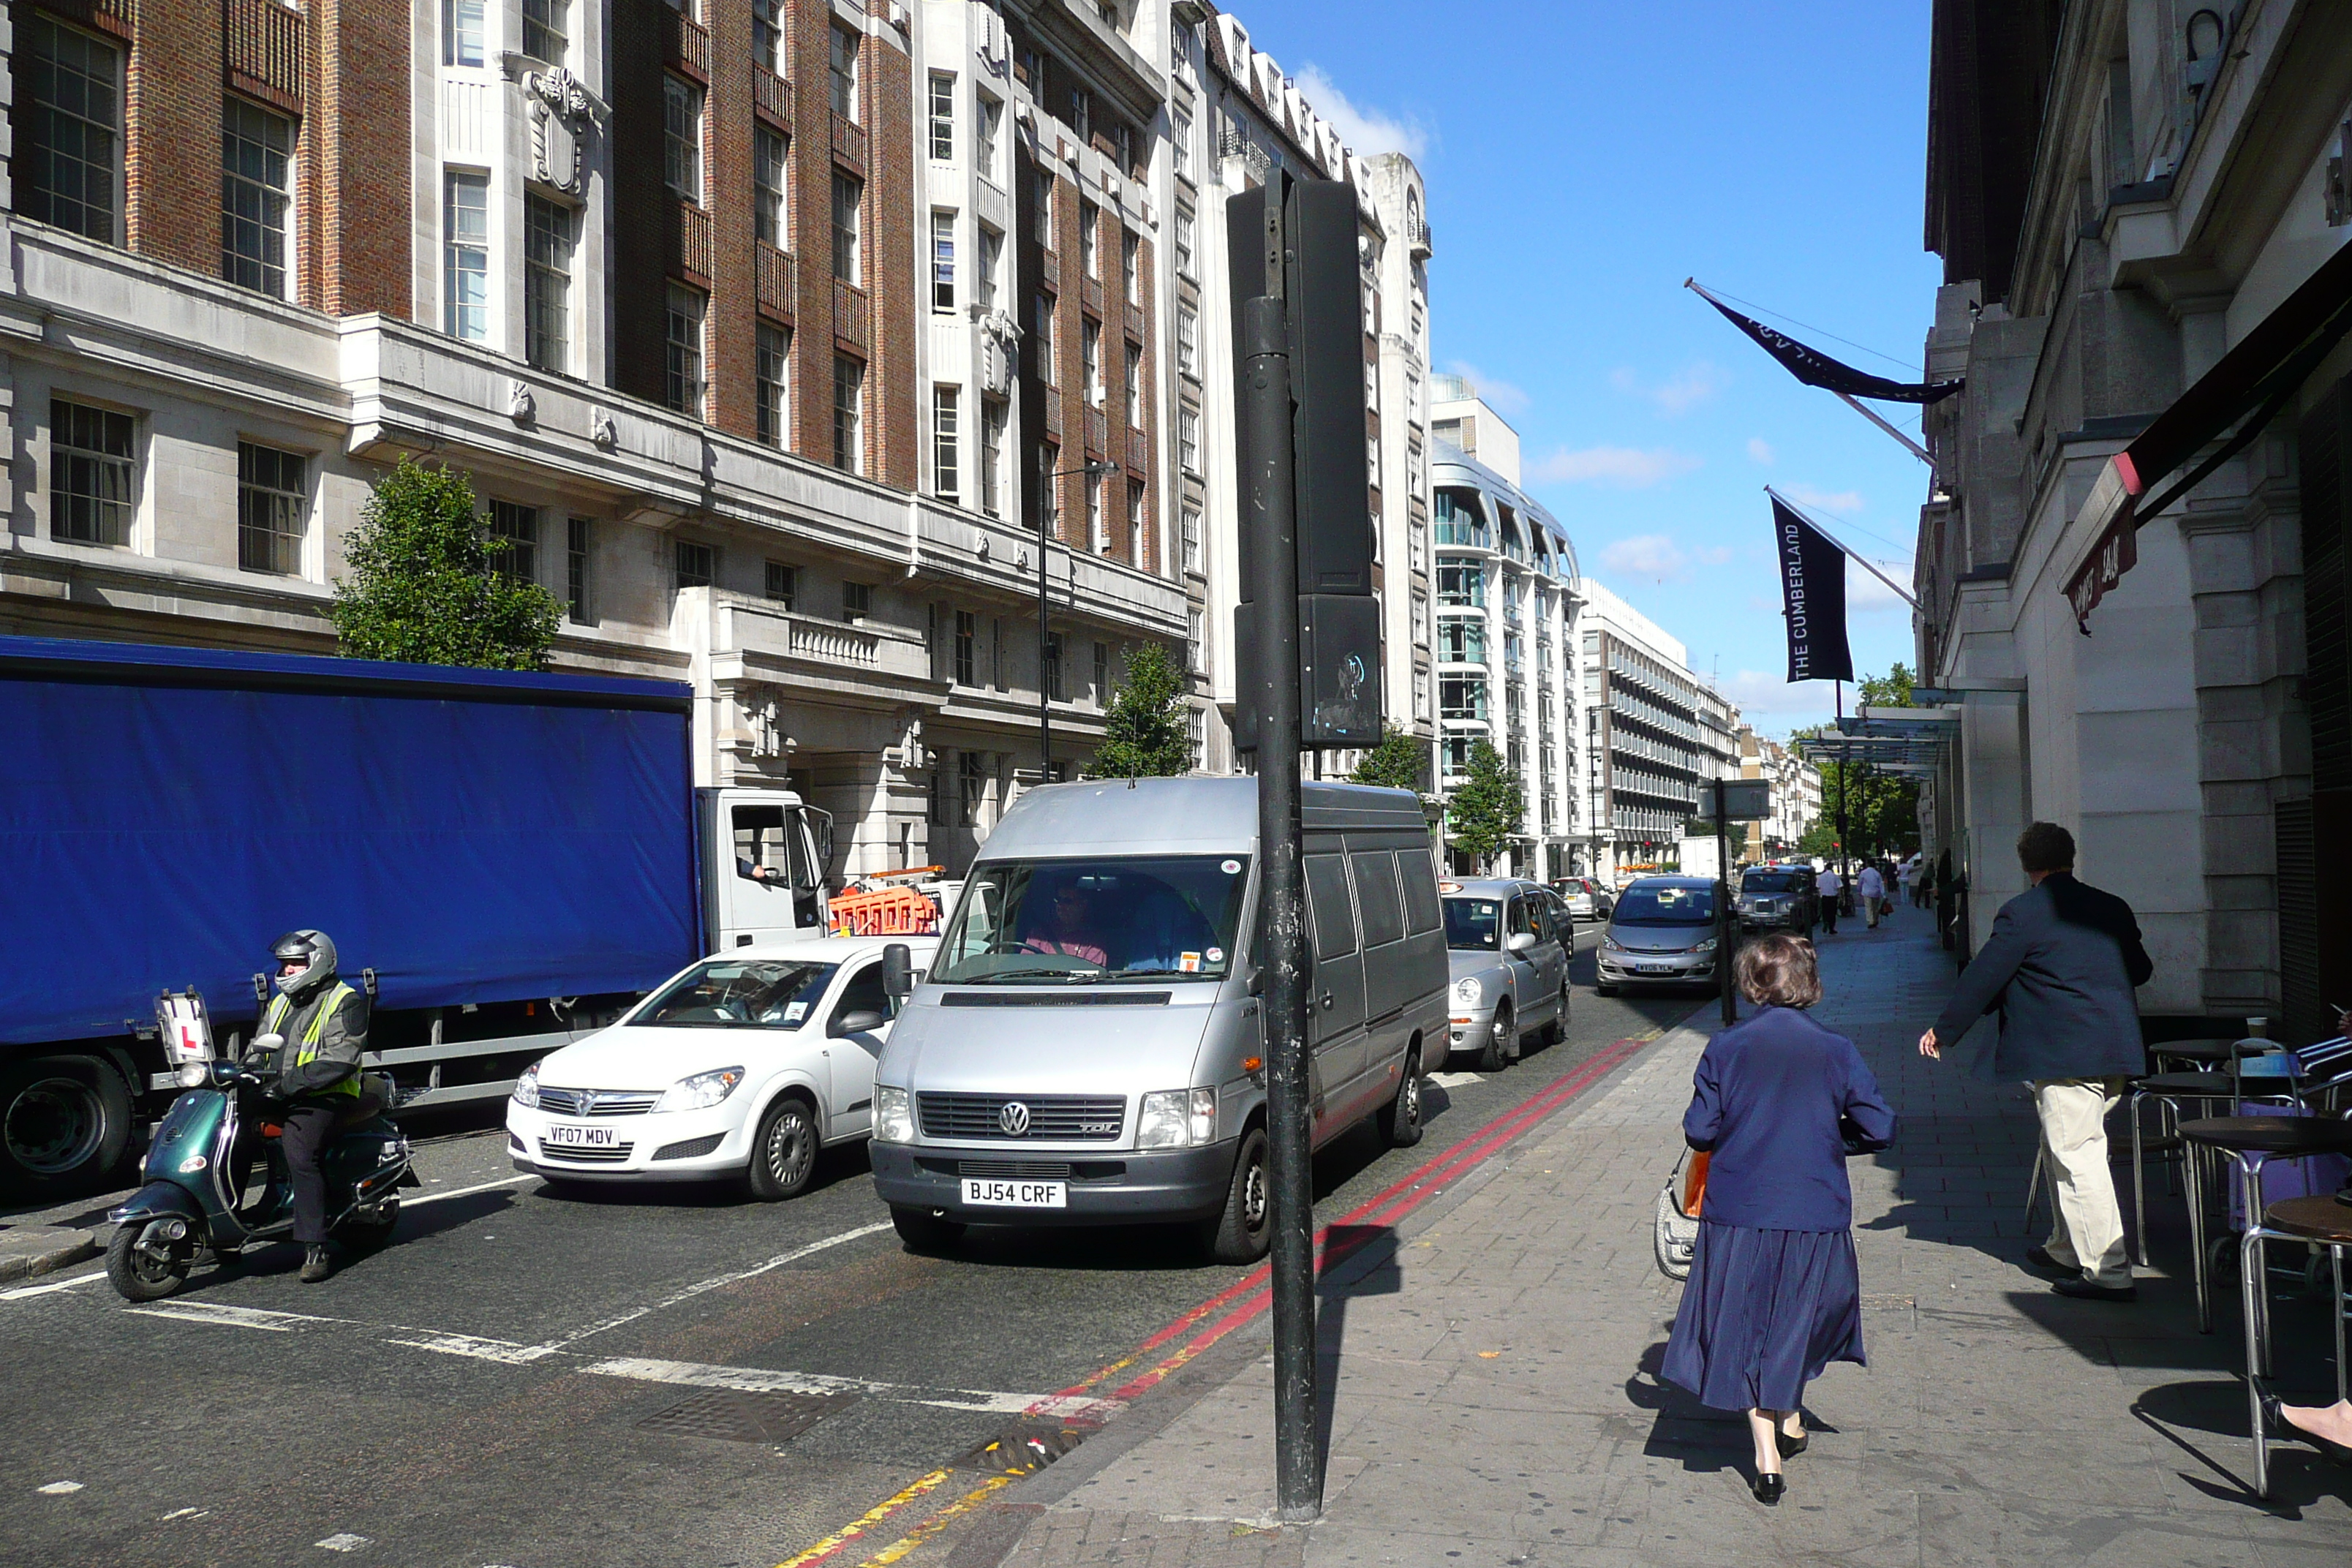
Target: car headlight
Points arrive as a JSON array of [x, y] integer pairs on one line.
[[526, 1089], [1747, 906], [1467, 991], [701, 1091], [1177, 1118], [894, 1116], [1610, 943], [1705, 947]]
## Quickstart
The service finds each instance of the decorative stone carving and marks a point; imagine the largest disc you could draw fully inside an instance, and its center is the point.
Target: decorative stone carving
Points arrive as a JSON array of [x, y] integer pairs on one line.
[[603, 431], [909, 755], [560, 114], [981, 548], [521, 406], [764, 721], [1000, 337]]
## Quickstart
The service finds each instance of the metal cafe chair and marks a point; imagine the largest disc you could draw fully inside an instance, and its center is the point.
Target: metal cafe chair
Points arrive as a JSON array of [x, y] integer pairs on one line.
[[2317, 1220], [2251, 1141]]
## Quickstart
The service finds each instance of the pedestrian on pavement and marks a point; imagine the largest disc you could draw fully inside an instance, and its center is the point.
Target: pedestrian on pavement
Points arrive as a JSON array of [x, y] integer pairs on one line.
[[1828, 886], [1774, 1294], [1906, 876], [322, 1026], [1874, 892], [2060, 967]]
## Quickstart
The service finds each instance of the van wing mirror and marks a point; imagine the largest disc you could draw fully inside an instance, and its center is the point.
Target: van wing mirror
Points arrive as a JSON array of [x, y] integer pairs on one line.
[[1256, 981], [897, 971]]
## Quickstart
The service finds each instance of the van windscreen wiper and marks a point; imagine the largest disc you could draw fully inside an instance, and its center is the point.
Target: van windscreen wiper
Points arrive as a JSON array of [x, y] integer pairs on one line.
[[1072, 976]]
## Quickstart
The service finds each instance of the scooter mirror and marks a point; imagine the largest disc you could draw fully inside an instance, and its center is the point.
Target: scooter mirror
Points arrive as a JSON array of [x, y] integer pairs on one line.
[[267, 1045]]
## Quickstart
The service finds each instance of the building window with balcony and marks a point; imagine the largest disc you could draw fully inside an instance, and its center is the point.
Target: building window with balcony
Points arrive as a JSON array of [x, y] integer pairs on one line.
[[967, 649], [1180, 144], [256, 153], [1188, 341], [69, 166], [992, 258], [1089, 244], [1135, 386], [849, 415], [1461, 585], [992, 419], [1102, 674], [943, 96], [1184, 242], [1421, 693], [1090, 360], [547, 284], [1082, 114], [693, 565], [1041, 335], [579, 567], [466, 257], [783, 584], [464, 29], [1462, 641], [1191, 537], [683, 387], [514, 541], [1196, 638], [772, 376], [1130, 265], [845, 72], [1135, 524], [682, 138], [946, 414], [1041, 208], [856, 600], [1420, 617], [272, 494], [1462, 696], [1050, 666], [970, 782], [1188, 440], [848, 197], [91, 489], [943, 246], [1096, 539], [768, 209], [991, 126], [768, 34], [1049, 491], [543, 29]]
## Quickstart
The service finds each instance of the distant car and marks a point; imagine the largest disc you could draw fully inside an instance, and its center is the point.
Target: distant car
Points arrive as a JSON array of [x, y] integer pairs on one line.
[[1586, 899], [1509, 963], [1662, 934], [742, 1066], [1777, 897]]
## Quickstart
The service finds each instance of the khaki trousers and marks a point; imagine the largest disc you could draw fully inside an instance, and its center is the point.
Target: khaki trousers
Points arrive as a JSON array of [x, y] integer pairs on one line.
[[2087, 1227]]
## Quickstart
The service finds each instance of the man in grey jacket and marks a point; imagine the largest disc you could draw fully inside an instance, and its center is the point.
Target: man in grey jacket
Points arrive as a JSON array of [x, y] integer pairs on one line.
[[2060, 967], [321, 1025]]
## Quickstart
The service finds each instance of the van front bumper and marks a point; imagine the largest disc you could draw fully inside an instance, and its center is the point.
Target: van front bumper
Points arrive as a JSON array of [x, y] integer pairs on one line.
[[1102, 1188]]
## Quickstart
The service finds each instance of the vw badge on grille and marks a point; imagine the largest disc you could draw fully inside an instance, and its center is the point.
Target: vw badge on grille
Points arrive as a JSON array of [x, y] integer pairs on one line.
[[1014, 1119]]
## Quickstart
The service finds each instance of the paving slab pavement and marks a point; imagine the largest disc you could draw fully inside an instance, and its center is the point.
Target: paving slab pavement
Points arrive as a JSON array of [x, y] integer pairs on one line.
[[26, 1250], [1491, 1382]]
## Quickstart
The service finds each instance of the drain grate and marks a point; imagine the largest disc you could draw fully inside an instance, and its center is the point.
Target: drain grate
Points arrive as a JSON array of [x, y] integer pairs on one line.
[[737, 1415], [1024, 1448]]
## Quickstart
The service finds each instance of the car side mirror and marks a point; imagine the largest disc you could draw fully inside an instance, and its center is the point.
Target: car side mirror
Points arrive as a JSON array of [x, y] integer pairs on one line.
[[1255, 985], [1521, 941], [897, 971], [864, 1020]]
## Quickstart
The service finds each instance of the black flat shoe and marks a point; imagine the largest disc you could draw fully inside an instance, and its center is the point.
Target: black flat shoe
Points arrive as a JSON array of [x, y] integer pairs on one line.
[[2040, 1257], [2283, 1430], [1770, 1490], [1791, 1447], [2083, 1290]]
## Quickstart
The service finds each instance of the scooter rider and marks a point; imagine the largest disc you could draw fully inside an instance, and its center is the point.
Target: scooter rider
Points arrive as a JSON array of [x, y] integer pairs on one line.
[[323, 1024]]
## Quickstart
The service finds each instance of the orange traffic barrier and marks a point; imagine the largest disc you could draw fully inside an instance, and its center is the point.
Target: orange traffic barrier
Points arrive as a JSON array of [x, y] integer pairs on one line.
[[888, 911]]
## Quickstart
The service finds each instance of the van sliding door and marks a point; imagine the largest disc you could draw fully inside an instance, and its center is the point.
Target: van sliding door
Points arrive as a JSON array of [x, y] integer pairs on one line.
[[1335, 994]]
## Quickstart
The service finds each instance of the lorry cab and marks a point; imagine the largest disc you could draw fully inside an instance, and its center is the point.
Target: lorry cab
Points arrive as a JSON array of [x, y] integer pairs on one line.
[[765, 853], [1088, 1045]]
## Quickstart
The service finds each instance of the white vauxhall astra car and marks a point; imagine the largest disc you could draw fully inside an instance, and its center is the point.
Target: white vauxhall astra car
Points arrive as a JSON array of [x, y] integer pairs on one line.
[[744, 1066]]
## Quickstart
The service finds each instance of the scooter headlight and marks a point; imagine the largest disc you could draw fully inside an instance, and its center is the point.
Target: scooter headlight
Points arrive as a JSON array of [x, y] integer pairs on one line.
[[526, 1089], [194, 1075]]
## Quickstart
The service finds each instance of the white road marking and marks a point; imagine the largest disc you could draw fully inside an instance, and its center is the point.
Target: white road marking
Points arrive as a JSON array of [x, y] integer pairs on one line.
[[1455, 1080], [502, 1350], [408, 1203], [231, 1317], [186, 1513], [21, 1291], [759, 1380], [691, 1291], [343, 1541], [59, 1489]]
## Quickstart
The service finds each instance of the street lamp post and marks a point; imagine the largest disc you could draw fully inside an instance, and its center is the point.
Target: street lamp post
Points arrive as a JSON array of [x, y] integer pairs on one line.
[[1093, 471]]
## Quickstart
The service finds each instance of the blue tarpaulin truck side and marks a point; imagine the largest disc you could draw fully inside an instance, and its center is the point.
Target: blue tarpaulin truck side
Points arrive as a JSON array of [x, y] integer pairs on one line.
[[510, 857]]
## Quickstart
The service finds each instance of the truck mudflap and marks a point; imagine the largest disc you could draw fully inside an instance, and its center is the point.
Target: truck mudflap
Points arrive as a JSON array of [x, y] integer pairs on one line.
[[156, 1200]]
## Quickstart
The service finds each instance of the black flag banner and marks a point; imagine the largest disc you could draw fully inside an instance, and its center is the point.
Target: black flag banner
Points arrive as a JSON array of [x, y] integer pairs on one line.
[[1812, 598], [1815, 368]]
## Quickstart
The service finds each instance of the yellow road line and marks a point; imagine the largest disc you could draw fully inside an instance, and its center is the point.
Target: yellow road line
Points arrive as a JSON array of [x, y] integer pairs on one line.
[[873, 1516], [939, 1521]]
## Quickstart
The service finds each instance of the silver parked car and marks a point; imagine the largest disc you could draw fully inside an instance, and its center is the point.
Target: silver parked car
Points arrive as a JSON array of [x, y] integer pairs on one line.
[[1663, 933], [1586, 899], [1509, 953]]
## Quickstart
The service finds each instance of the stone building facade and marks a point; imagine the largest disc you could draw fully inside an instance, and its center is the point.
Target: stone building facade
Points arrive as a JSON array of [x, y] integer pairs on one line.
[[1642, 750]]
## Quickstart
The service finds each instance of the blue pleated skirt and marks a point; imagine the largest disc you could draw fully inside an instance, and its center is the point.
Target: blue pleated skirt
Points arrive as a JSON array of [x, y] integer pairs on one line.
[[1763, 1314]]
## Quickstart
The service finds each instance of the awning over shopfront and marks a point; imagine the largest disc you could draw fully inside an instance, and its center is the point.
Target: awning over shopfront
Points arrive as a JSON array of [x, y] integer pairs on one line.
[[1892, 739], [2246, 387]]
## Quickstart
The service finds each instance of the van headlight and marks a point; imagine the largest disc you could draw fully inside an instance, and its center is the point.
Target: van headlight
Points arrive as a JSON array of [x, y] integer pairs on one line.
[[894, 1116], [701, 1091], [1176, 1119], [526, 1089]]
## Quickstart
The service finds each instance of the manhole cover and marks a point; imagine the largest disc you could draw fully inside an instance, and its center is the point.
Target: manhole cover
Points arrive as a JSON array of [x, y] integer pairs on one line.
[[734, 1415]]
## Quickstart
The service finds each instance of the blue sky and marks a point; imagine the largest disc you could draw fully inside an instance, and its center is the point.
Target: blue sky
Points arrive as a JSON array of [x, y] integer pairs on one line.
[[1582, 159]]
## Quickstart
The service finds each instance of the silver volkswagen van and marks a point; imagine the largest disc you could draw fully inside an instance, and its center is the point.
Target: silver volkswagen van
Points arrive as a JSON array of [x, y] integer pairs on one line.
[[1087, 1047]]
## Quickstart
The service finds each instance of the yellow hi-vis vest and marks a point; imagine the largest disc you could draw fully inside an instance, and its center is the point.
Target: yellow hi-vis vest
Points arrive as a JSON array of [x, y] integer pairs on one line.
[[306, 1049]]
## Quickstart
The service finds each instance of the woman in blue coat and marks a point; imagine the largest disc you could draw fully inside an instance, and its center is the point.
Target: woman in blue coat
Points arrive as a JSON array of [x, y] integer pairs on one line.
[[1774, 1296]]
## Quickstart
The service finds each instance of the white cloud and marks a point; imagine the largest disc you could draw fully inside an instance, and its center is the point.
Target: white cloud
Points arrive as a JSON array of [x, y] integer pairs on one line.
[[1368, 131], [1500, 394], [1866, 596], [1656, 556], [1679, 393], [1820, 500], [1624, 467], [1760, 450], [1761, 691]]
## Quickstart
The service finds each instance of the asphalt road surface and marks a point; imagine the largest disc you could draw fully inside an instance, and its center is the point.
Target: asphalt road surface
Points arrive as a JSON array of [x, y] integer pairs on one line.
[[527, 1379]]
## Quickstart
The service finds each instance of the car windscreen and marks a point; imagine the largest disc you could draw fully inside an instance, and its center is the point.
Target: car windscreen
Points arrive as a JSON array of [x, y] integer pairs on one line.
[[1094, 920], [1474, 925], [1769, 882], [1664, 905], [737, 994]]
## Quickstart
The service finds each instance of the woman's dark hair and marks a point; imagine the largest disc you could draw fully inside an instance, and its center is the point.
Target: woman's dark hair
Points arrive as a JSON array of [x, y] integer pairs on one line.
[[1778, 970]]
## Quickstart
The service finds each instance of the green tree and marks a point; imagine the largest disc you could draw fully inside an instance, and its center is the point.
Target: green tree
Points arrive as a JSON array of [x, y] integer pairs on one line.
[[1145, 735], [1399, 761], [1881, 810], [425, 584], [1486, 810], [1891, 690]]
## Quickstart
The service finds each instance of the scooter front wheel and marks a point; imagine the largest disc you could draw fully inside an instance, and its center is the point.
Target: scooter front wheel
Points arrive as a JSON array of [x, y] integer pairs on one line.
[[140, 1275]]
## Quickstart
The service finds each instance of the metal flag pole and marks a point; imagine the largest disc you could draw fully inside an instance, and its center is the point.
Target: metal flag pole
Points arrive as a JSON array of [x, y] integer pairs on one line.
[[1917, 450], [1852, 553]]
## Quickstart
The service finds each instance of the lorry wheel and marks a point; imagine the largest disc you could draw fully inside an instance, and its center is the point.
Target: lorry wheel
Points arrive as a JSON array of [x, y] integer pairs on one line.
[[138, 1276], [1243, 1232], [64, 1122], [783, 1155], [924, 1231], [1399, 1118], [1501, 1037]]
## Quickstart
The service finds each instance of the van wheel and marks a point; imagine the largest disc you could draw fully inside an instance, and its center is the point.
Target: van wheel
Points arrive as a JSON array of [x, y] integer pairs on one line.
[[64, 1122], [1399, 1118], [924, 1231], [138, 1276], [1502, 1037], [1244, 1231], [784, 1154]]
